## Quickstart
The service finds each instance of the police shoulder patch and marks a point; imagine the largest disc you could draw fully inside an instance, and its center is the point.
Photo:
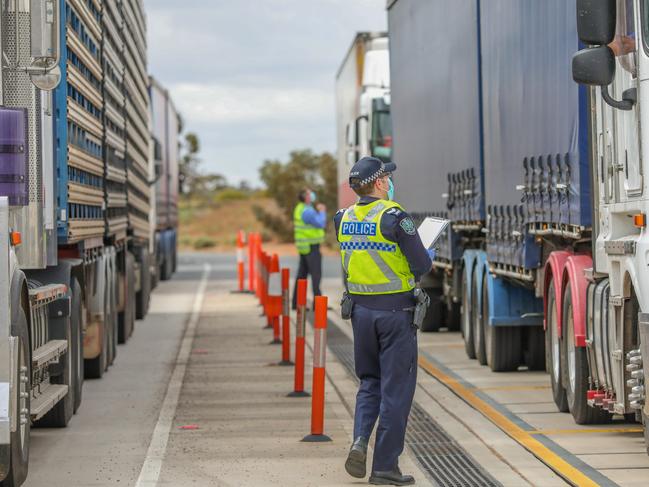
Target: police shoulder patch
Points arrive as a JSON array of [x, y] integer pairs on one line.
[[408, 226]]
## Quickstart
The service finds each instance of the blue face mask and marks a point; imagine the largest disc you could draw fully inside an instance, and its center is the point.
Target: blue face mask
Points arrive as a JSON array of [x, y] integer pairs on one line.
[[391, 190], [313, 197]]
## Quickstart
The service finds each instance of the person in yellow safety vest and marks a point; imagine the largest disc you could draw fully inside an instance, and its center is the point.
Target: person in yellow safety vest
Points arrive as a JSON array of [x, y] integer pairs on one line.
[[383, 258], [309, 229]]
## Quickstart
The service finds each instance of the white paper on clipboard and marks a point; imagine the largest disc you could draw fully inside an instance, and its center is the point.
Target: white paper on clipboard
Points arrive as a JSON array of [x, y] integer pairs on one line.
[[431, 229]]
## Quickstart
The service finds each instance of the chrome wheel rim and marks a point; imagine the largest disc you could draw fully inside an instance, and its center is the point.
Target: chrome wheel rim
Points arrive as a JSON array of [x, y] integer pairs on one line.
[[466, 315], [23, 393], [556, 362], [571, 353]]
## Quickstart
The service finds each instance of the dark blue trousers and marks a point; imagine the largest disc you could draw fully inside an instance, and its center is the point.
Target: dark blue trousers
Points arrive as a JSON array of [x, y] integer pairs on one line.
[[385, 354]]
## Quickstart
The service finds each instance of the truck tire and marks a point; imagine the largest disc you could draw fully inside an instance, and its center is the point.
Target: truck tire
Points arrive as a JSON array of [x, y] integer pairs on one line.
[[502, 343], [144, 294], [575, 373], [165, 265], [503, 347], [435, 312], [478, 325], [127, 317], [77, 323], [467, 318], [19, 448], [553, 351], [645, 423], [454, 317], [94, 368], [535, 350], [62, 373], [111, 314]]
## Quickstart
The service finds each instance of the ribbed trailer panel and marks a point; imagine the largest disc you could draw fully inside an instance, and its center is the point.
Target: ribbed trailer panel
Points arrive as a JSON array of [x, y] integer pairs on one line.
[[114, 120], [80, 126], [137, 115]]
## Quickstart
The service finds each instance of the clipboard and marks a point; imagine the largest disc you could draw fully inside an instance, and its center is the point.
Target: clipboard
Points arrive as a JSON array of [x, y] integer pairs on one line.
[[431, 229]]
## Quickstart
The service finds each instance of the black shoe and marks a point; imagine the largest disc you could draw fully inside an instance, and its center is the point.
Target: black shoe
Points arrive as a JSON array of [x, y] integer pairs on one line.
[[393, 477], [355, 464]]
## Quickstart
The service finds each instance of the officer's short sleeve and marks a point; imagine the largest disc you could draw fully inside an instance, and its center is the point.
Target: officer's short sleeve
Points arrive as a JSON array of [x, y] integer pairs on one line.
[[338, 217], [398, 226]]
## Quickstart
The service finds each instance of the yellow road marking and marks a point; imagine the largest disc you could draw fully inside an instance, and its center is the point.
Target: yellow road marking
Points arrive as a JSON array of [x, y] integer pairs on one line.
[[522, 437], [584, 431], [513, 388]]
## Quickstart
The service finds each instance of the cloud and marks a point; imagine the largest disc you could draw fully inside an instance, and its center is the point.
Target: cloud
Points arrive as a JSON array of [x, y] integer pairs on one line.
[[205, 103], [255, 78]]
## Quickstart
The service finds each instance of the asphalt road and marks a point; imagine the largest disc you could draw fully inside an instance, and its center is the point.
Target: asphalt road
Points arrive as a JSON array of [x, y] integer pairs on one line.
[[127, 430], [107, 440]]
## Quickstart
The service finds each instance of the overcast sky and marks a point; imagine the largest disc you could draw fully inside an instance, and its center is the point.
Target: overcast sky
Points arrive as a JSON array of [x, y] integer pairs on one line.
[[255, 78]]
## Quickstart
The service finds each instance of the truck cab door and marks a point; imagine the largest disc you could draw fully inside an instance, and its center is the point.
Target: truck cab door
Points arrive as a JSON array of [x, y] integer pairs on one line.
[[351, 149], [623, 125]]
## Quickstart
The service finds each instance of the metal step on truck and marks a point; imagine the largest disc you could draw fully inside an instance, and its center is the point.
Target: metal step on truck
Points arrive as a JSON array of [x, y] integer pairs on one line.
[[545, 262], [77, 205]]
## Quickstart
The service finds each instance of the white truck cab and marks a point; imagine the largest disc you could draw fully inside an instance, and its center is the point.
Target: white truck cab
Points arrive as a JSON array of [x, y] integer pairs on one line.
[[616, 67]]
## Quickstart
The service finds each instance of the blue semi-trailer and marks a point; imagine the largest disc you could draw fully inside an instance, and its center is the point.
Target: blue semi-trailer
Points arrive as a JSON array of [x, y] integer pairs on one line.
[[545, 263]]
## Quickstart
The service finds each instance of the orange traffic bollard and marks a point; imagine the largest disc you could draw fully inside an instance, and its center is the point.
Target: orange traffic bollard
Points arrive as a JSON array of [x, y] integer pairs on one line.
[[258, 268], [274, 299], [252, 238], [286, 319], [300, 322], [241, 261], [319, 359], [265, 264]]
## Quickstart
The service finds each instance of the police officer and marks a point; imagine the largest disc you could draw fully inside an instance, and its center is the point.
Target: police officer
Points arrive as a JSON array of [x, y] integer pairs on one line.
[[383, 258], [309, 224]]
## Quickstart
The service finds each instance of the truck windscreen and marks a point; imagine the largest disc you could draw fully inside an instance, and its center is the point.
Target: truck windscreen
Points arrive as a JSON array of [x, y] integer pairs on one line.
[[382, 135]]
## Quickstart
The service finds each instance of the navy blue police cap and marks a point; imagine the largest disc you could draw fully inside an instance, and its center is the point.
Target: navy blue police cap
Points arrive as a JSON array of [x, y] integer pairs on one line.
[[369, 169]]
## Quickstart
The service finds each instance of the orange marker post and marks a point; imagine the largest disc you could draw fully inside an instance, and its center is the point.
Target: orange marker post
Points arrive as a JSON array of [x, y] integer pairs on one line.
[[274, 300], [286, 319], [319, 359], [252, 239], [258, 268], [241, 260], [264, 289], [300, 322]]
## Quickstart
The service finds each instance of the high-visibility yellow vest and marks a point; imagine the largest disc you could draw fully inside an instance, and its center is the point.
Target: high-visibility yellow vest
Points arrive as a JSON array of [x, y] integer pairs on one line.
[[372, 264], [305, 234]]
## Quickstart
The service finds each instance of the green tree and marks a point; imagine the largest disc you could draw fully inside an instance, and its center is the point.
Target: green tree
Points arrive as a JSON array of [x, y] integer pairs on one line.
[[284, 181], [189, 162]]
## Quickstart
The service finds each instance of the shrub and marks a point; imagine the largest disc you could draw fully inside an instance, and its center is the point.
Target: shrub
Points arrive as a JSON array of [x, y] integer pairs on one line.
[[231, 194], [204, 243]]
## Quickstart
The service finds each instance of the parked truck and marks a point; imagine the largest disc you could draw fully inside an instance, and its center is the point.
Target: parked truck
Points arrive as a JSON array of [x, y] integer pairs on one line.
[[362, 107], [542, 179], [166, 125], [77, 255]]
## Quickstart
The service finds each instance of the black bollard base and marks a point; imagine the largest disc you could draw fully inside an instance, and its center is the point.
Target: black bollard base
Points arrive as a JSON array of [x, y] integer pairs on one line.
[[298, 394], [275, 342], [316, 439], [241, 292], [285, 363]]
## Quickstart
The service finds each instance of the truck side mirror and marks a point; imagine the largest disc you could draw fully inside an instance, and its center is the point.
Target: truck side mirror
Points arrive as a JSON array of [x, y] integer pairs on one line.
[[596, 21], [158, 169], [594, 66], [45, 20]]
